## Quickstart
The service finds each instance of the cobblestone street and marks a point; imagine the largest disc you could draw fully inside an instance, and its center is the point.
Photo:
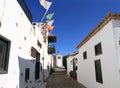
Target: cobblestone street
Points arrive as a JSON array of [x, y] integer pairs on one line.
[[59, 79]]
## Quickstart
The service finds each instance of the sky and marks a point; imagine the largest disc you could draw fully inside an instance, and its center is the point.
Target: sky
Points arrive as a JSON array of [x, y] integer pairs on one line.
[[73, 19]]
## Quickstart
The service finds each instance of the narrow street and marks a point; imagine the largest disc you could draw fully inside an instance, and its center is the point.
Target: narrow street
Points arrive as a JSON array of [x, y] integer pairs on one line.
[[59, 79]]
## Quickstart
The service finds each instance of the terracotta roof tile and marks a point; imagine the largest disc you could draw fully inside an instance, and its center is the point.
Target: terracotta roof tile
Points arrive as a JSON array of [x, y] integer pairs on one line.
[[109, 17]]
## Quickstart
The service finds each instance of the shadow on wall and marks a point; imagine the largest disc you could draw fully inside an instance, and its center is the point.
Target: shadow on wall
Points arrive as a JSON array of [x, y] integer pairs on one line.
[[31, 73], [65, 62]]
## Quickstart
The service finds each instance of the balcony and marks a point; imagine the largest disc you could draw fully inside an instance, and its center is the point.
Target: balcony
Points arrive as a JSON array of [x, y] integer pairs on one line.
[[51, 49], [25, 9], [52, 38], [51, 43]]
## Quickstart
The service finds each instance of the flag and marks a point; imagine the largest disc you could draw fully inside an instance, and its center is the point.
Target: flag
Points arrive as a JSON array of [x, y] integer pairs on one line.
[[49, 16], [45, 4], [50, 22], [48, 4], [50, 28]]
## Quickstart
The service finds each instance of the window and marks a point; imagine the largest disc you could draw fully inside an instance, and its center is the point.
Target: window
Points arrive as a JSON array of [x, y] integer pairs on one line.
[[39, 44], [4, 55], [85, 55], [27, 73], [76, 67], [37, 56], [98, 49], [59, 57], [71, 62], [98, 71], [76, 60], [33, 52]]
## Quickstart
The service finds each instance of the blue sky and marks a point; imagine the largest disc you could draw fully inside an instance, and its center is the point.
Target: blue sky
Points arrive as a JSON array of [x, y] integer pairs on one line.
[[74, 19]]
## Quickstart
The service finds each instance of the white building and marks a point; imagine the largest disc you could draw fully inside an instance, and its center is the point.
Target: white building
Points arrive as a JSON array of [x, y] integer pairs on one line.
[[99, 55], [24, 58], [72, 62], [59, 60]]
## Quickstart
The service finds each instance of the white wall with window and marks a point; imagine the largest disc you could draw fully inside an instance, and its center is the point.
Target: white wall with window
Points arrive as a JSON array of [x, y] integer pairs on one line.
[[4, 54], [72, 59], [101, 68], [59, 60], [20, 49], [69, 64]]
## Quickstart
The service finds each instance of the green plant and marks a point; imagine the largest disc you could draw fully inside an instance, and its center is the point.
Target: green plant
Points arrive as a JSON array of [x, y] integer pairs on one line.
[[73, 74]]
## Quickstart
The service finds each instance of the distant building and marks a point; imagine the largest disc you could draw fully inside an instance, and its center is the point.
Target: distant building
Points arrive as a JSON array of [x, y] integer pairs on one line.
[[99, 55], [59, 60], [72, 62]]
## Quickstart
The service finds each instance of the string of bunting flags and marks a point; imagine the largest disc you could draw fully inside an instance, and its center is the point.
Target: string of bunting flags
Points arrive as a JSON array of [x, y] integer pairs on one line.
[[49, 21]]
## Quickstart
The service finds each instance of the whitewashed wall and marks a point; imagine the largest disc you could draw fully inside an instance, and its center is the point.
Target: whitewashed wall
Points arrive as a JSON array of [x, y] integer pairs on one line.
[[12, 28], [116, 29], [69, 64], [109, 60], [16, 27], [76, 64], [59, 61]]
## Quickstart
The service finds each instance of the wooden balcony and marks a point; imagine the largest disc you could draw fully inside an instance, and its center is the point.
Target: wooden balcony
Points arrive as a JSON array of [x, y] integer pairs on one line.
[[52, 38]]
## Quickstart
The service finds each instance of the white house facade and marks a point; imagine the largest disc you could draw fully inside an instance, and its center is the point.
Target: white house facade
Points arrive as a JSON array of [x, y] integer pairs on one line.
[[99, 55], [72, 60], [69, 64], [24, 58], [59, 60]]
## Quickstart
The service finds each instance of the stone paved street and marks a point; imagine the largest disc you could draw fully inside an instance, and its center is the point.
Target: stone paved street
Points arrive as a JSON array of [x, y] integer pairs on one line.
[[59, 79]]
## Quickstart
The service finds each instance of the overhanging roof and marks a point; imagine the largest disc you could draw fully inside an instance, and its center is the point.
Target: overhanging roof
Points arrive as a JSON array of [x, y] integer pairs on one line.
[[108, 18], [72, 54]]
